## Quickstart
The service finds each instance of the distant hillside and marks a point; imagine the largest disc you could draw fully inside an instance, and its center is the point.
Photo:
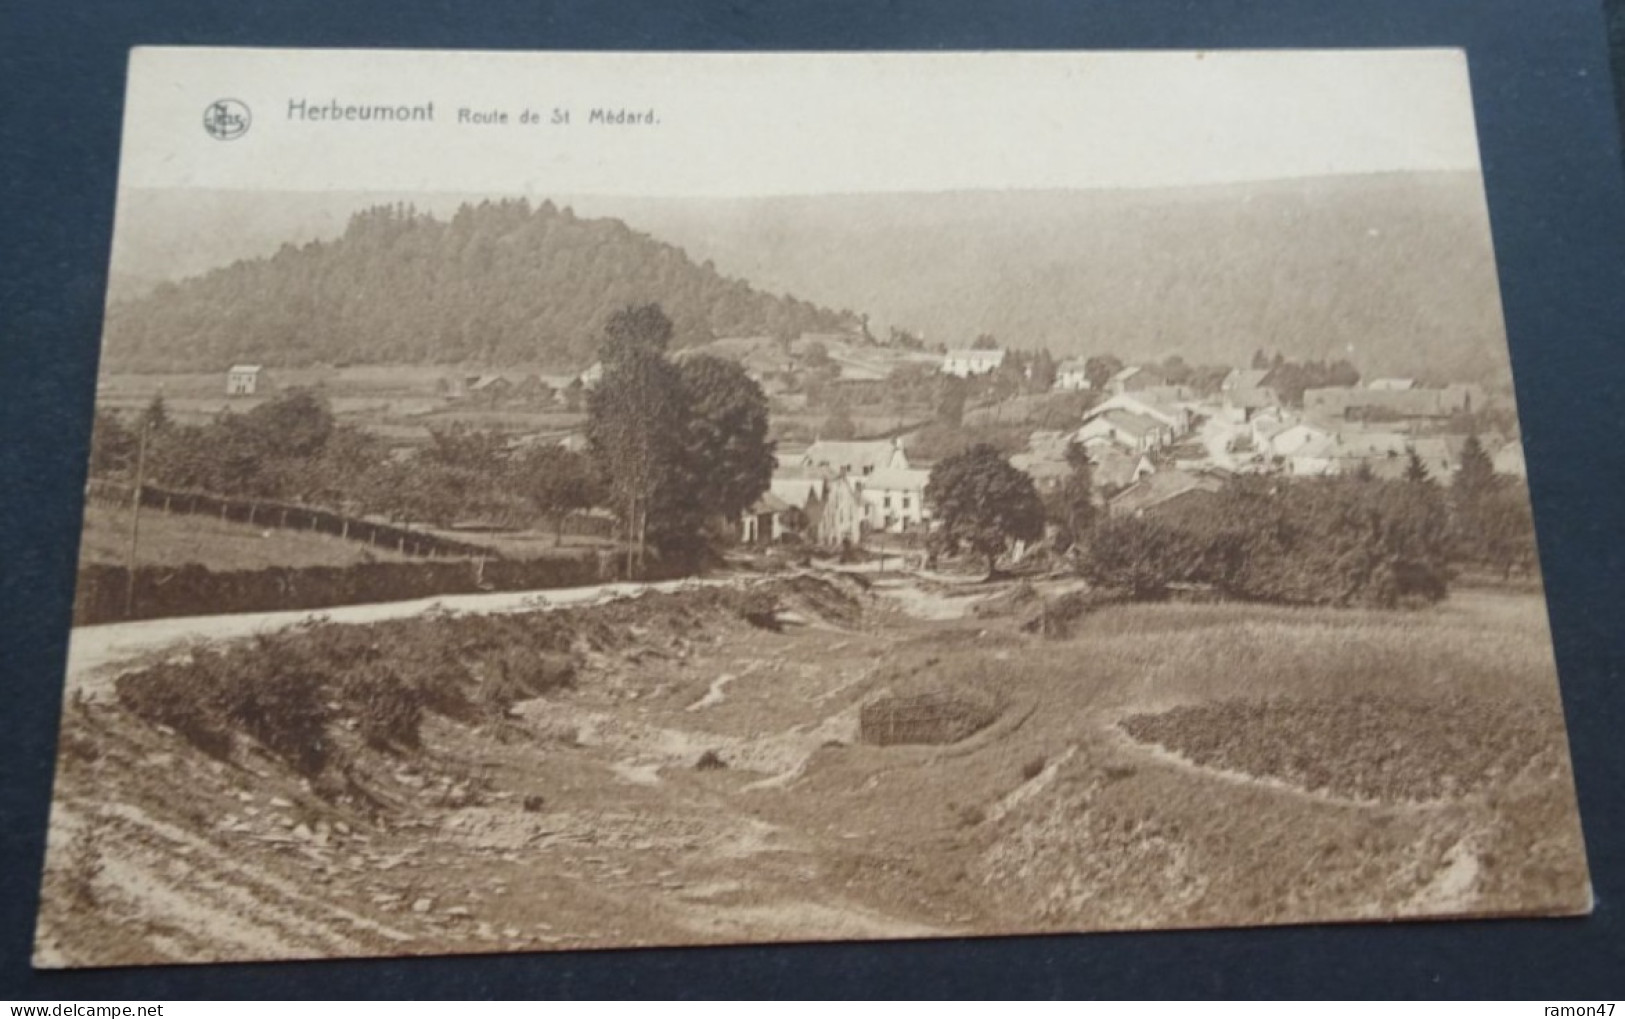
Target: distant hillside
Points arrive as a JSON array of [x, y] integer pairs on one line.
[[1394, 271], [494, 283]]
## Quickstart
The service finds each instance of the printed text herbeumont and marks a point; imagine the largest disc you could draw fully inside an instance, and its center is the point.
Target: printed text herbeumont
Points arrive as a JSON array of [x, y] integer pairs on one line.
[[332, 109]]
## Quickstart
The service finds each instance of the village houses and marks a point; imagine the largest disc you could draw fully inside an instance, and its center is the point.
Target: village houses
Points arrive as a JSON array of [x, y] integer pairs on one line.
[[835, 492], [1152, 444], [856, 458], [1127, 430], [894, 498], [1245, 392]]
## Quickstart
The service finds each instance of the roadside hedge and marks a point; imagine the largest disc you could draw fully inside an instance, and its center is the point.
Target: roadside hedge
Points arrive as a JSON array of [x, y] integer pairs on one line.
[[194, 590]]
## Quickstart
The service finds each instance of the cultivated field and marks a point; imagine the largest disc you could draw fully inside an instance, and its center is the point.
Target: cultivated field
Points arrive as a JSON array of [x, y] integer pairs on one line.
[[691, 768]]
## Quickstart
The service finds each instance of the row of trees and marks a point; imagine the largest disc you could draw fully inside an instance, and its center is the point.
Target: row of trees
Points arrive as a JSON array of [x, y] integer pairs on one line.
[[1331, 541], [290, 449], [1352, 540], [1325, 541]]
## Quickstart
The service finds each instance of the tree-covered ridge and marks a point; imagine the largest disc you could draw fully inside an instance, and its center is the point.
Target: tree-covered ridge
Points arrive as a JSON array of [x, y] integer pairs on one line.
[[498, 283]]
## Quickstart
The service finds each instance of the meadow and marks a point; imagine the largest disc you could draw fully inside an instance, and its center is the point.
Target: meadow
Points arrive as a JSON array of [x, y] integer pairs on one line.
[[175, 539]]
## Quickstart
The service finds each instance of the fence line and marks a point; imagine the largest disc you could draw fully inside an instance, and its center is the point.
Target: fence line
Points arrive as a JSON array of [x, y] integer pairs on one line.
[[286, 516]]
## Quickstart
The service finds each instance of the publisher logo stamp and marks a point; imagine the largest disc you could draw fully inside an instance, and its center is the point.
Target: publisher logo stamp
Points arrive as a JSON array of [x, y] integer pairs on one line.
[[226, 119]]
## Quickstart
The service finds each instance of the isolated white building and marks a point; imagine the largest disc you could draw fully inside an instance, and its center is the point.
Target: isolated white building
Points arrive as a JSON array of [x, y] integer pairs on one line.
[[243, 379], [965, 363], [1071, 377]]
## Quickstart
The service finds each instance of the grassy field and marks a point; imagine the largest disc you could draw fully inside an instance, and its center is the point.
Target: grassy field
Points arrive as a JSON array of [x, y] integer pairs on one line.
[[537, 544], [174, 539]]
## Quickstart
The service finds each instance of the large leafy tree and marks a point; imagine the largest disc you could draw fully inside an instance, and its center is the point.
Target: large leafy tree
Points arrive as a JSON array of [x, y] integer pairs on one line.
[[1075, 509], [728, 456], [1099, 370], [1507, 529], [637, 419], [984, 503], [156, 414], [557, 482], [112, 444], [1042, 376], [1493, 525], [296, 423], [1142, 556], [1476, 476]]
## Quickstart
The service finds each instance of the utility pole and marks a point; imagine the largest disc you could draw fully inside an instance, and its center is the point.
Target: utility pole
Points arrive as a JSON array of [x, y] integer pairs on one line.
[[135, 519]]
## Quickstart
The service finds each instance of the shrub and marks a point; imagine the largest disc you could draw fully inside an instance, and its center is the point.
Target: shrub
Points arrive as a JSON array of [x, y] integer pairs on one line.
[[181, 697], [760, 609], [515, 672], [283, 705], [388, 710]]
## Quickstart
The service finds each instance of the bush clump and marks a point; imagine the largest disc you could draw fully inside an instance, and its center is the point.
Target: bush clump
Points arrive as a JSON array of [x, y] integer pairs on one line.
[[388, 710], [174, 696], [285, 709], [760, 609], [1315, 541]]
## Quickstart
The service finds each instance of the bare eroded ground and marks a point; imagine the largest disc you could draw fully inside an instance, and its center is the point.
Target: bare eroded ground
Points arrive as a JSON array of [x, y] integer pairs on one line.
[[1161, 766]]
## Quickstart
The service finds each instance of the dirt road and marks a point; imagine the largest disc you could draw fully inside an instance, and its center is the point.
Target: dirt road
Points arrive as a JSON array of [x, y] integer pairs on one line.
[[97, 654]]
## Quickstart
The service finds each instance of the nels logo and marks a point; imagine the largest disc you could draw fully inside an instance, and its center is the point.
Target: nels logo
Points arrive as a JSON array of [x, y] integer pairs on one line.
[[226, 119]]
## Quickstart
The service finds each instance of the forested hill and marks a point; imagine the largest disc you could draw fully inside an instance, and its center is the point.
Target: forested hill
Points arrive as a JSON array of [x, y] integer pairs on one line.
[[496, 283]]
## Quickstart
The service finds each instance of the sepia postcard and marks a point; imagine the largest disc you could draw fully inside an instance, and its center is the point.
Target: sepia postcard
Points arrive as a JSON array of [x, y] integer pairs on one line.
[[563, 500]]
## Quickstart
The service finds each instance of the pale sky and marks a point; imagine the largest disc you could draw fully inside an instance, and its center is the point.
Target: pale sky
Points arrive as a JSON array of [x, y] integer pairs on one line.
[[798, 124]]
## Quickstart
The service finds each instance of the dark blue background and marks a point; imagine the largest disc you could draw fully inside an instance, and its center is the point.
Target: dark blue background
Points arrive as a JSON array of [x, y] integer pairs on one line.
[[1551, 163]]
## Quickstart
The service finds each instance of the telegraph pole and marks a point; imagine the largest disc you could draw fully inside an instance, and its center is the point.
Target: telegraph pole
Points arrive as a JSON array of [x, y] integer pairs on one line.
[[135, 519]]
